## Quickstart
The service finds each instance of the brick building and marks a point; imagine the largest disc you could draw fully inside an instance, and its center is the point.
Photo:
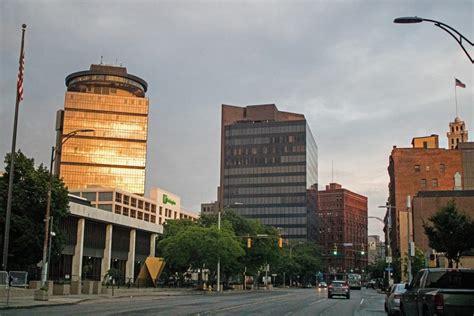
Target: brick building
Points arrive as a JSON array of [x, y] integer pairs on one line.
[[412, 170], [342, 224], [427, 203]]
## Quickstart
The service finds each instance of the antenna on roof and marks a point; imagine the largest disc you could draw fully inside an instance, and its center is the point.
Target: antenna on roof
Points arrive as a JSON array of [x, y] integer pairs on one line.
[[332, 171], [101, 58]]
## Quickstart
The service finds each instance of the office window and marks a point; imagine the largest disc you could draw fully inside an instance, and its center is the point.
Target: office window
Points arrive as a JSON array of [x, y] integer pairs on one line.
[[423, 183], [434, 183], [442, 167]]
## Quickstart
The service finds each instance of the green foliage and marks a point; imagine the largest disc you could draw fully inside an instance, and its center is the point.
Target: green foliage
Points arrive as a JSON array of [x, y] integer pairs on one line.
[[377, 269], [450, 231], [30, 187], [198, 245]]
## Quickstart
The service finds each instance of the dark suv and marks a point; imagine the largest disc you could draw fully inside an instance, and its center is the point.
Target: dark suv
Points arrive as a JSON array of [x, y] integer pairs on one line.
[[339, 288]]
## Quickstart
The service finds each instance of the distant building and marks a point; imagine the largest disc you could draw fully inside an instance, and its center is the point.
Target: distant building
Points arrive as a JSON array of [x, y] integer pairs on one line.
[[427, 203], [269, 168], [342, 225], [412, 170], [375, 249], [467, 157], [209, 208], [457, 133], [111, 102], [161, 206]]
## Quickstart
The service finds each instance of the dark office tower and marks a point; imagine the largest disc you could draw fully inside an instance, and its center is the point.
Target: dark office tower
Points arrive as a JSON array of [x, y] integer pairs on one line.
[[112, 103], [269, 168]]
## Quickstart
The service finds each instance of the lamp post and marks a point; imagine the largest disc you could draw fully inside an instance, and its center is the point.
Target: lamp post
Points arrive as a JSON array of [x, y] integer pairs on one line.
[[44, 268], [389, 228], [219, 257], [458, 37]]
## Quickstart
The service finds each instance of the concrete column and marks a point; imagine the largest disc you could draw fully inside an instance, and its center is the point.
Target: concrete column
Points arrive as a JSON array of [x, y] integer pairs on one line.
[[105, 266], [78, 250], [152, 244], [129, 269], [77, 258]]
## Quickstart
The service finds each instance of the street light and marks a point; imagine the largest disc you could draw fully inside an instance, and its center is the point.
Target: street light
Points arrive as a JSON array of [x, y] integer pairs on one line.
[[219, 257], [55, 152], [458, 37]]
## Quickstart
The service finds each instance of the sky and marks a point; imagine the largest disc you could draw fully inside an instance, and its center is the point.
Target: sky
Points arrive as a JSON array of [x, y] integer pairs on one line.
[[363, 83]]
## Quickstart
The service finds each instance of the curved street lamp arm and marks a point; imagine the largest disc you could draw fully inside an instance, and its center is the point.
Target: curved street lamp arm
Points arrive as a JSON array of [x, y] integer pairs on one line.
[[450, 31]]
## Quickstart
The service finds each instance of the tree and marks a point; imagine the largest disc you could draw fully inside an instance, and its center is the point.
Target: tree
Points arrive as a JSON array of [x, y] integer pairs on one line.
[[30, 188], [450, 232]]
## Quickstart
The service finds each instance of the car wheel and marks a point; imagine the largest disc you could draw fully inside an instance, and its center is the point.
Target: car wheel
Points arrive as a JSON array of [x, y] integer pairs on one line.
[[385, 307], [348, 297]]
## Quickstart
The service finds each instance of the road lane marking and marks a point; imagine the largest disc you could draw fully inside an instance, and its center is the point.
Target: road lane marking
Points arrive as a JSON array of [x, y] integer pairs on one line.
[[250, 304], [323, 299], [288, 314], [361, 301]]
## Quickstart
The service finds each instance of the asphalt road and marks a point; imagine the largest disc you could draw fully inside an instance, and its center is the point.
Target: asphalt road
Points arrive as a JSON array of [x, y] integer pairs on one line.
[[277, 302]]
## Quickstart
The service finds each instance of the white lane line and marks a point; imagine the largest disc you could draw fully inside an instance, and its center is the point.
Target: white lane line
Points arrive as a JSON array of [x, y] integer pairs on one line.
[[288, 314], [323, 299], [361, 301]]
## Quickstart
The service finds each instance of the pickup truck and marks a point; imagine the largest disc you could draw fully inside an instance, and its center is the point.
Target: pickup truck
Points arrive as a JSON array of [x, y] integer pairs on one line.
[[439, 291]]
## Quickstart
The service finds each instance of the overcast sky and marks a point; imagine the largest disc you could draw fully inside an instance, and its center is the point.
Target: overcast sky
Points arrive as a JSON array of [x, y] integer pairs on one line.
[[363, 82]]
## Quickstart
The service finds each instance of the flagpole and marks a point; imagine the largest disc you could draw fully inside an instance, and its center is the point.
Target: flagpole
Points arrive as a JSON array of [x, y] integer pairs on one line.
[[456, 96], [12, 159]]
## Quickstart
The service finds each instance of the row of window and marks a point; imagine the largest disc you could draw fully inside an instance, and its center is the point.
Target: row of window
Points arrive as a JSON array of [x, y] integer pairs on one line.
[[264, 150], [442, 168], [282, 220], [248, 129], [424, 184], [106, 103], [268, 200], [245, 211], [265, 190], [264, 170], [285, 139], [265, 180]]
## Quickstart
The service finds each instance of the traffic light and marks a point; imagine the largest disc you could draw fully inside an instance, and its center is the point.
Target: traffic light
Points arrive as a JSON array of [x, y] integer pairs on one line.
[[334, 251], [249, 242], [280, 242], [362, 251]]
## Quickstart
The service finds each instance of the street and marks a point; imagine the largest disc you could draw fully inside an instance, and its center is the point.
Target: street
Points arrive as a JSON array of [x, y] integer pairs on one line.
[[276, 302]]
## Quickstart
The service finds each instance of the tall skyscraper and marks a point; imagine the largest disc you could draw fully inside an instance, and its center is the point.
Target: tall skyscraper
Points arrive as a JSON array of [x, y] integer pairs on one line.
[[111, 102], [269, 168]]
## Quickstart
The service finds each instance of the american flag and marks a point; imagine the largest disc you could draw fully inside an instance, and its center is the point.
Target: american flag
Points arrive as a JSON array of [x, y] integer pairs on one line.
[[21, 71], [458, 83]]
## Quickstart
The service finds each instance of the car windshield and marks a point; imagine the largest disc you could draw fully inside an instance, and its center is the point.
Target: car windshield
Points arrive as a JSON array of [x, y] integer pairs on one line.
[[399, 288], [338, 283]]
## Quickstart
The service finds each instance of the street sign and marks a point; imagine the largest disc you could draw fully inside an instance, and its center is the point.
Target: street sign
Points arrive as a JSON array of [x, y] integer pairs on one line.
[[388, 259], [347, 244], [389, 269]]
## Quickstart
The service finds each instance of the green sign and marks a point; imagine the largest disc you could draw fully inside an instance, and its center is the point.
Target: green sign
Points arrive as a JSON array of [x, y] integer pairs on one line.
[[167, 200]]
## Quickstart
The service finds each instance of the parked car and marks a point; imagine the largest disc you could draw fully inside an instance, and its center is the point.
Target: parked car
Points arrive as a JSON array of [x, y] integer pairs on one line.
[[439, 291], [339, 288], [392, 301], [323, 285]]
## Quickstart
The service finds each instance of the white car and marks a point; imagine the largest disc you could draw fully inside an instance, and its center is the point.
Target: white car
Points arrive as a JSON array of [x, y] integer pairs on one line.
[[392, 301]]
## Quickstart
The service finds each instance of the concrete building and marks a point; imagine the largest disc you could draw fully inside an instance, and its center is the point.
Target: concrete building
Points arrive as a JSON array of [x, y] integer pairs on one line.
[[97, 240], [375, 249], [111, 102], [209, 208], [269, 168], [342, 225], [161, 206]]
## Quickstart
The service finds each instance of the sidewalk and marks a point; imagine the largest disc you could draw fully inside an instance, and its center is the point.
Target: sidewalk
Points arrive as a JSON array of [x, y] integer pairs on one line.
[[27, 301]]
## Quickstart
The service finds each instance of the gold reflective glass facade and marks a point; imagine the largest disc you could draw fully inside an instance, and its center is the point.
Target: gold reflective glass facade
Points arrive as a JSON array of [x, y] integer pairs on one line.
[[114, 155]]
